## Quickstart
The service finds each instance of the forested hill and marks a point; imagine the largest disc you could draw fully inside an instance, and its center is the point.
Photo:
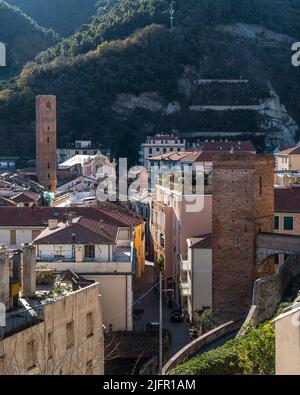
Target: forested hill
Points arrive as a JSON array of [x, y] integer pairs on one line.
[[281, 16], [23, 37], [116, 84], [63, 16]]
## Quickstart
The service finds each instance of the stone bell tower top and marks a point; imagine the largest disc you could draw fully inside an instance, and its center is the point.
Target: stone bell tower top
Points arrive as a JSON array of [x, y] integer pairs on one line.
[[46, 141]]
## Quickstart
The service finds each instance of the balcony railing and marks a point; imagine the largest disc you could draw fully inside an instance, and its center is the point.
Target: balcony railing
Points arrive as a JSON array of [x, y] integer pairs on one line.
[[184, 263]]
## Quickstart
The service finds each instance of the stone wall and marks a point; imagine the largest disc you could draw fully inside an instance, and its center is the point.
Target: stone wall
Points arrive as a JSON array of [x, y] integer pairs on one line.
[[268, 292], [196, 345]]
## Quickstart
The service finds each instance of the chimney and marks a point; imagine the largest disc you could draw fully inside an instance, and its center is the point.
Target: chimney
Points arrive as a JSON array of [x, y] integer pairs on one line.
[[28, 272], [52, 224], [71, 217], [4, 276]]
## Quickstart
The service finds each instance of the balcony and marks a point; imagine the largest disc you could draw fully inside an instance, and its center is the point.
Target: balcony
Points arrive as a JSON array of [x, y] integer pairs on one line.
[[184, 263], [185, 289]]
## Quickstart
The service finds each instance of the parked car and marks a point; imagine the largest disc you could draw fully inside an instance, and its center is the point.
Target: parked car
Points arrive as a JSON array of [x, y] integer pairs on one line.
[[177, 316]]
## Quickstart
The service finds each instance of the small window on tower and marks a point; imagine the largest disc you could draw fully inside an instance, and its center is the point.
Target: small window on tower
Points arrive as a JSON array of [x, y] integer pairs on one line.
[[48, 139], [48, 165], [48, 106], [260, 185]]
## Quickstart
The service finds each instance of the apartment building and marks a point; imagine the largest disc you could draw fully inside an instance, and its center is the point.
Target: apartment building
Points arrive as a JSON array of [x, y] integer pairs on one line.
[[20, 225], [43, 334], [288, 159], [100, 252], [80, 147], [287, 210], [196, 276], [177, 215], [158, 145]]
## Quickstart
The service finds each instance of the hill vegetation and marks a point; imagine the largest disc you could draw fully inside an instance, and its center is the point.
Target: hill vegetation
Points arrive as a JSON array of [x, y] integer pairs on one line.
[[130, 50], [252, 354], [63, 16], [23, 37]]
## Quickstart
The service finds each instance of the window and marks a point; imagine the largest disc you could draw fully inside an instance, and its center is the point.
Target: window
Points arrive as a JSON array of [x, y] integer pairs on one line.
[[30, 356], [35, 234], [50, 345], [59, 251], [70, 334], [260, 185], [162, 240], [13, 237], [48, 106], [48, 139], [150, 150], [276, 222], [89, 251], [89, 325], [288, 223]]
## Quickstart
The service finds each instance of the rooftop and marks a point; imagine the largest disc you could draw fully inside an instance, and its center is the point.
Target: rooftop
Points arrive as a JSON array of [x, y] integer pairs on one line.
[[290, 151], [110, 213], [81, 231], [75, 160], [6, 202], [207, 151], [201, 242], [26, 197]]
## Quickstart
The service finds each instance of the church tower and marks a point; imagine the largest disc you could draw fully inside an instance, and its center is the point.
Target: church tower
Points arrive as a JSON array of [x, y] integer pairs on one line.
[[46, 141]]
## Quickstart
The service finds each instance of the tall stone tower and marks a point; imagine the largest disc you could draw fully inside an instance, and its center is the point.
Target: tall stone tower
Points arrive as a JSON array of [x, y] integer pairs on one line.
[[46, 141], [243, 206]]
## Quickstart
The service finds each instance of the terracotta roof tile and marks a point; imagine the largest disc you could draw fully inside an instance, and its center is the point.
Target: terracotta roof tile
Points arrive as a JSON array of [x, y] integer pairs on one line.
[[81, 231], [39, 216]]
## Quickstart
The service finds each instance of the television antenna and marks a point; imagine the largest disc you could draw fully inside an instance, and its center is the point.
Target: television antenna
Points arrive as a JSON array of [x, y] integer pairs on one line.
[[172, 14]]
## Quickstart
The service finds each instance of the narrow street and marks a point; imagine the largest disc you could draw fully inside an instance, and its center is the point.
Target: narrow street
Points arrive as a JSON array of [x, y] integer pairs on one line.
[[150, 305]]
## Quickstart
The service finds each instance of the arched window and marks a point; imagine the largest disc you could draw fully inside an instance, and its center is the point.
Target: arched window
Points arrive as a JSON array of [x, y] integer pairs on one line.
[[48, 106]]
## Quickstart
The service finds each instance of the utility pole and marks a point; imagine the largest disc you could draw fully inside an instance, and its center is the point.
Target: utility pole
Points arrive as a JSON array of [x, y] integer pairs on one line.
[[172, 14], [160, 322]]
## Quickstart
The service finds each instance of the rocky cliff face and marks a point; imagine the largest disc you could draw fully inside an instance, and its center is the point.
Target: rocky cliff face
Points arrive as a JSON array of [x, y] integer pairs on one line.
[[217, 107]]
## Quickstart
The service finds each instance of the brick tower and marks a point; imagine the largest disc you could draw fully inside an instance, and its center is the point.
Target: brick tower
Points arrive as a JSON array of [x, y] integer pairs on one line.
[[243, 205], [46, 141]]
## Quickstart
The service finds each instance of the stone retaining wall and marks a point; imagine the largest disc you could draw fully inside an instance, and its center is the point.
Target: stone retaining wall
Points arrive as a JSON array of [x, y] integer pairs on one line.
[[268, 292], [195, 346]]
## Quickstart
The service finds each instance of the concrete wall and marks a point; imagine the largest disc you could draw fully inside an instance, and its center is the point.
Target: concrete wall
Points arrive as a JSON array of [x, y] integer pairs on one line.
[[23, 236], [103, 253], [287, 327], [201, 278], [116, 289], [52, 356]]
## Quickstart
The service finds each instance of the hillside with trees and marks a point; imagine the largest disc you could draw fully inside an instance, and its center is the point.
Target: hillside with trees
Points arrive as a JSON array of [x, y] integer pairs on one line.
[[23, 37], [129, 55], [63, 16]]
